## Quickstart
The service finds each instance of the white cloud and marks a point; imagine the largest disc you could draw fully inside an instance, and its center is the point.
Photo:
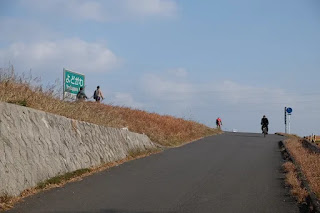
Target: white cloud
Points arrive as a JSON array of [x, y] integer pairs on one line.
[[126, 99], [165, 89], [85, 10], [52, 56], [17, 29], [152, 7], [104, 10], [235, 93], [178, 72]]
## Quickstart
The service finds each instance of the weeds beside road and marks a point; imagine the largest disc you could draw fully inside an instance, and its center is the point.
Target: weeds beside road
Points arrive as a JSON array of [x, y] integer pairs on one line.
[[293, 181], [308, 161], [306, 169]]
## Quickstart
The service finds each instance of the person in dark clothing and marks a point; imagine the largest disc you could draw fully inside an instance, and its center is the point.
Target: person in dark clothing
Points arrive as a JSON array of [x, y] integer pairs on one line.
[[81, 96], [264, 123]]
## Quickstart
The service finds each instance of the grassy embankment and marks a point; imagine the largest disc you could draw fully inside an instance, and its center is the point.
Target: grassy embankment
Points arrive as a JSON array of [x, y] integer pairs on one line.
[[163, 129], [309, 163]]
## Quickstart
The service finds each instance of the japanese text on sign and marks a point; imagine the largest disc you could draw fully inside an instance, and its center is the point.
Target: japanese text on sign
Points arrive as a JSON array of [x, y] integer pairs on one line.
[[72, 82]]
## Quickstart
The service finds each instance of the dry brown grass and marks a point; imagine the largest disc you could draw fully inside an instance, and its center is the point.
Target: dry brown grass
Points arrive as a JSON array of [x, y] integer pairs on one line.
[[163, 129], [309, 163], [6, 202], [287, 135], [288, 166], [294, 183]]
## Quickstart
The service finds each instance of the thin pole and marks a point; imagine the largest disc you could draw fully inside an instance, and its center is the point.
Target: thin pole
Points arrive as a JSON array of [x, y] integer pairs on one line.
[[285, 119], [289, 123], [63, 84]]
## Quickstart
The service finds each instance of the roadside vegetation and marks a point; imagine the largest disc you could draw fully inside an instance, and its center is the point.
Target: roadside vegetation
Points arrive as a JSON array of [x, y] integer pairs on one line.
[[162, 129], [292, 180], [308, 163]]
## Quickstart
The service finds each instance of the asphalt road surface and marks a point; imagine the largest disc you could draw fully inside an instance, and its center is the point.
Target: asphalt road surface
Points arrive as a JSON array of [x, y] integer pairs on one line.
[[232, 172]]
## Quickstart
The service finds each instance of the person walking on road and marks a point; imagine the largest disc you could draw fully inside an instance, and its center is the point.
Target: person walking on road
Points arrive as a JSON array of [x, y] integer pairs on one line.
[[219, 123], [81, 96], [98, 96]]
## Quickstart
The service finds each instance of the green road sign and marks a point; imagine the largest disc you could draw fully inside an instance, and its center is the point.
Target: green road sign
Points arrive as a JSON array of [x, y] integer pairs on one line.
[[72, 82]]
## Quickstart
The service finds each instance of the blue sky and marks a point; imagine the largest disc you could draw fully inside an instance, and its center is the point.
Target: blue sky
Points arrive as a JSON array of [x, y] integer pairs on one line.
[[192, 59]]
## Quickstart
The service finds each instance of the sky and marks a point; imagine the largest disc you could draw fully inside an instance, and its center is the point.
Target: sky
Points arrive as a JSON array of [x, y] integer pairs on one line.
[[199, 60]]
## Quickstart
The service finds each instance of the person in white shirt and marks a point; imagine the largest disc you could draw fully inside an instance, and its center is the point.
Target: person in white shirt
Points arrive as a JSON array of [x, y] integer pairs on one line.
[[98, 96]]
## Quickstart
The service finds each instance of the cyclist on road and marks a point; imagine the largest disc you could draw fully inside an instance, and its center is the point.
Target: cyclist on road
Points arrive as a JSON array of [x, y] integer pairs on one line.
[[264, 123], [219, 123]]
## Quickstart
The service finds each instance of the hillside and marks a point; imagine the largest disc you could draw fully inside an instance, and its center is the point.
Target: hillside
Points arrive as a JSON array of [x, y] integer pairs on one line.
[[163, 129]]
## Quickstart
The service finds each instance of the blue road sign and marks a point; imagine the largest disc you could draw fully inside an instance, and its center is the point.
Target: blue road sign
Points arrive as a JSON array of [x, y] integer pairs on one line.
[[289, 110]]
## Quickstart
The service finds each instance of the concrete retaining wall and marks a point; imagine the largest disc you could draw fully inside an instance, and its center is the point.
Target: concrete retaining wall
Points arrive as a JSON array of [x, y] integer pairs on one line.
[[35, 146]]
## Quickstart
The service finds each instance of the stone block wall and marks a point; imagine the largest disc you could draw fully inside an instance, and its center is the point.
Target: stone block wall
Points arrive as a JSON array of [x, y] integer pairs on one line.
[[35, 146]]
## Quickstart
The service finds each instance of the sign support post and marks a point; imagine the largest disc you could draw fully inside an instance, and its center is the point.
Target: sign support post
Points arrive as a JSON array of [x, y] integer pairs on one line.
[[289, 115], [63, 77], [288, 111], [285, 119]]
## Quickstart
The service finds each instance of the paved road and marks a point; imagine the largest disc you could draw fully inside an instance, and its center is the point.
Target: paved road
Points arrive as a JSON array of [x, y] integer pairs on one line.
[[232, 172]]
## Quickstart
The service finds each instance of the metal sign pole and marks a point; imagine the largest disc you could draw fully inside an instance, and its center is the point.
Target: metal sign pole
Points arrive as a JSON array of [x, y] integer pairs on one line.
[[289, 123], [285, 119], [63, 84], [288, 111]]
